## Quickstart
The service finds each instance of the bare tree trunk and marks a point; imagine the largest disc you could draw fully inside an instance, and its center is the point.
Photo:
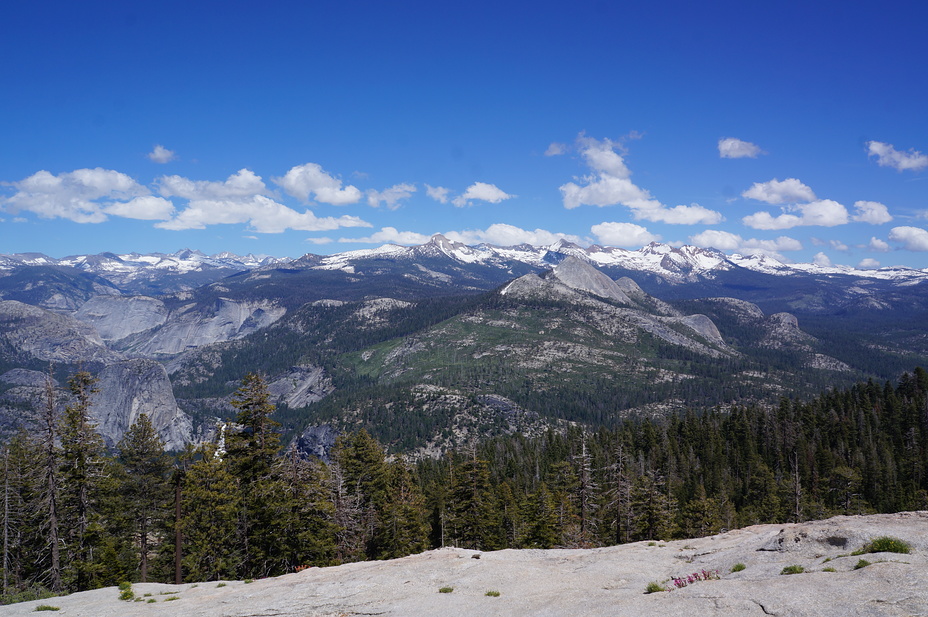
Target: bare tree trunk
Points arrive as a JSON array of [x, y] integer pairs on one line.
[[178, 535], [51, 480]]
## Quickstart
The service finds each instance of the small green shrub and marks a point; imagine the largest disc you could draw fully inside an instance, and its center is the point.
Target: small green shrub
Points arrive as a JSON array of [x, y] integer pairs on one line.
[[125, 591], [221, 585], [792, 570], [654, 587], [151, 600], [248, 580], [47, 607], [828, 569], [652, 543], [492, 594], [885, 544], [446, 590], [125, 585], [172, 598], [863, 563], [738, 567]]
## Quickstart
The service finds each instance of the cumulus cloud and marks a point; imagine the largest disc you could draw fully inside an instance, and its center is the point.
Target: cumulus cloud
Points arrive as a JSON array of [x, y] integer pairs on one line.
[[868, 264], [610, 184], [323, 240], [556, 149], [872, 212], [480, 191], [390, 235], [824, 212], [877, 244], [821, 259], [501, 234], [733, 148], [241, 198], [311, 181], [82, 195], [887, 156], [775, 192], [392, 196], [731, 242], [145, 208], [911, 238], [438, 193], [626, 235], [242, 184], [263, 215], [160, 154]]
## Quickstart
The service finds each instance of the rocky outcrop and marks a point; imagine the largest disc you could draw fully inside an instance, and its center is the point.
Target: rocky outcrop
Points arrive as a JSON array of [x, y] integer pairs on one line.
[[192, 326], [50, 337], [602, 582], [316, 441], [128, 389], [579, 274], [301, 386], [782, 331], [116, 317]]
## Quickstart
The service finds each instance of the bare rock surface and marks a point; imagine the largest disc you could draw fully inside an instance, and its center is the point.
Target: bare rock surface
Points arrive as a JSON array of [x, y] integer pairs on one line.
[[578, 582]]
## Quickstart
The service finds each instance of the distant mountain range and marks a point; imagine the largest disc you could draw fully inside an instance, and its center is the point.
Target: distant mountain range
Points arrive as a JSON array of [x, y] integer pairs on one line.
[[441, 342]]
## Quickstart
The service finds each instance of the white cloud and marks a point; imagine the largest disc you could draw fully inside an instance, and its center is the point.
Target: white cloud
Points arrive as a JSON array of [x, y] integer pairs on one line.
[[872, 212], [730, 242], [888, 156], [821, 259], [775, 192], [610, 184], [160, 154], [824, 212], [391, 196], [480, 191], [501, 234], [733, 148], [606, 191], [241, 198], [390, 235], [438, 193], [242, 184], [145, 208], [80, 196], [877, 244], [310, 180], [263, 215], [911, 238], [322, 240], [626, 235], [868, 264], [556, 149], [680, 215]]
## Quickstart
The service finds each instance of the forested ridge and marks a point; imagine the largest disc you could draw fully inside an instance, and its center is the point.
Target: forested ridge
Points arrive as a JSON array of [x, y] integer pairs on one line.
[[76, 516]]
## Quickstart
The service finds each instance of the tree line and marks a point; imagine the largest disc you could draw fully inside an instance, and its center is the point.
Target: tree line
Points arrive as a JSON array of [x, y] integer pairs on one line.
[[76, 516]]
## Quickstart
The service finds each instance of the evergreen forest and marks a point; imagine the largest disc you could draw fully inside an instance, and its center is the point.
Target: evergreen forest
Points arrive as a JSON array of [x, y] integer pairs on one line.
[[77, 516]]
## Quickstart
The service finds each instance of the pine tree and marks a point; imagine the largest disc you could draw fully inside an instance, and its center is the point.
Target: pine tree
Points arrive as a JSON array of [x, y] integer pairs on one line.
[[145, 490], [210, 508], [541, 528], [82, 472], [49, 481], [251, 449], [473, 514], [307, 522], [403, 529]]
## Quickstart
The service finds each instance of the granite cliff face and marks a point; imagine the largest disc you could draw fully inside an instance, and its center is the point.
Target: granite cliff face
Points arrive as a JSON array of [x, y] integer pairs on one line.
[[40, 334], [126, 390]]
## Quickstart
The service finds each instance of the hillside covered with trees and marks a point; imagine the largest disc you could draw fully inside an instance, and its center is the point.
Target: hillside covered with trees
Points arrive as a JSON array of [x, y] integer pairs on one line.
[[76, 516]]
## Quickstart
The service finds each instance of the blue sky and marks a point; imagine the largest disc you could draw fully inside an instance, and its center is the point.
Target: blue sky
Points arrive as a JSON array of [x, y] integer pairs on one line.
[[284, 128]]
